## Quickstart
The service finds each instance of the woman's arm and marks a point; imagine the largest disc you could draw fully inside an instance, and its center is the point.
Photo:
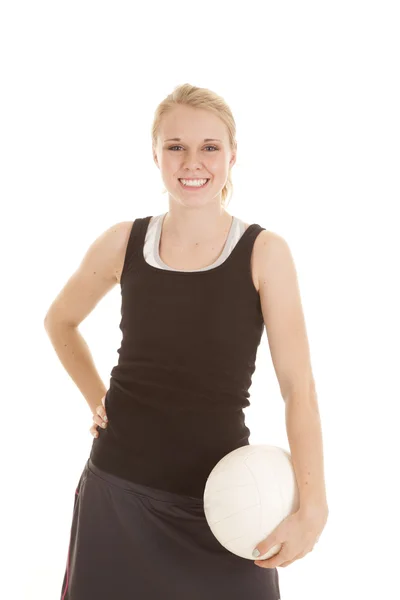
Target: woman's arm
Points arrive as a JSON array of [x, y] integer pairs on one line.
[[287, 337], [95, 277]]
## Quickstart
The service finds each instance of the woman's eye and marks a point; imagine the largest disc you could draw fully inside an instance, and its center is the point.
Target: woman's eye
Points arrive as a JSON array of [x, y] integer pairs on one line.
[[172, 147]]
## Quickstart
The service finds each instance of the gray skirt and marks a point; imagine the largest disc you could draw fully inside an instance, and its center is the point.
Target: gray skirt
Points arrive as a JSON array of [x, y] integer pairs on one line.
[[129, 541]]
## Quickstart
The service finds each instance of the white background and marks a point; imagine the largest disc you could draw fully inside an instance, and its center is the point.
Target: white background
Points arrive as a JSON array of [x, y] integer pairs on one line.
[[314, 89]]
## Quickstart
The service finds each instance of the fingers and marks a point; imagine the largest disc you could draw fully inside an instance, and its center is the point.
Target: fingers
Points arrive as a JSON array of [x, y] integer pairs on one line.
[[102, 413], [93, 431], [99, 418]]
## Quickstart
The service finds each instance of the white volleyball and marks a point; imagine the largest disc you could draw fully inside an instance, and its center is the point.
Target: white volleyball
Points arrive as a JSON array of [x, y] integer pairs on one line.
[[249, 492]]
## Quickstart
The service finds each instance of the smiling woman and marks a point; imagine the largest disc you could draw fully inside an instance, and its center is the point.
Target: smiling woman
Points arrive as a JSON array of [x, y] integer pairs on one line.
[[191, 324], [193, 111]]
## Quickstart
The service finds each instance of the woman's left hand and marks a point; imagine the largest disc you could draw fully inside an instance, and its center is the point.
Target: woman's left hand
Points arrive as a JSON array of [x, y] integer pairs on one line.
[[298, 534]]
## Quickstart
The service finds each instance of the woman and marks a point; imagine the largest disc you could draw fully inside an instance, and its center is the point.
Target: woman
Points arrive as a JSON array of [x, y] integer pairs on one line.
[[191, 323]]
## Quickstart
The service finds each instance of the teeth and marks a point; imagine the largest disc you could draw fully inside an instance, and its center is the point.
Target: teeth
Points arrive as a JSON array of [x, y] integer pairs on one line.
[[193, 182]]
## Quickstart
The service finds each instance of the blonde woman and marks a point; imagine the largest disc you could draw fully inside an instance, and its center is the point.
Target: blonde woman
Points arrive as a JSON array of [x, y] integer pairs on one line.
[[196, 292]]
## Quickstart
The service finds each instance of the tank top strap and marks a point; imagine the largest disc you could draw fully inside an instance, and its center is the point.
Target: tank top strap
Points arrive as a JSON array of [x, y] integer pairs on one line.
[[255, 229], [245, 245], [135, 245], [139, 230]]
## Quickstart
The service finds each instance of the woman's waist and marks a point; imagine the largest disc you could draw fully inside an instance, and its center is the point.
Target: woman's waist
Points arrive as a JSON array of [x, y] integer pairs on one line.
[[136, 423], [190, 401], [128, 413]]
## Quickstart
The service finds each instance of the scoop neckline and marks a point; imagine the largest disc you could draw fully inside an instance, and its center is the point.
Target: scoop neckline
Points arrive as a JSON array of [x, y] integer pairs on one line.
[[196, 272], [208, 268]]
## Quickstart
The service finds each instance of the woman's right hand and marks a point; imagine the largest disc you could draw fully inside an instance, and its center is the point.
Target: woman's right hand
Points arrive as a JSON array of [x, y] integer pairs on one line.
[[99, 418]]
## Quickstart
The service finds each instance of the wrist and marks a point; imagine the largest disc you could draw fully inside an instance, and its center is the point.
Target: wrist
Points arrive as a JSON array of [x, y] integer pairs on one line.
[[314, 510]]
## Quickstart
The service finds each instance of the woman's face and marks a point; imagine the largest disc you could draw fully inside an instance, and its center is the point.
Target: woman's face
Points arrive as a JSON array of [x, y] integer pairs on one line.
[[191, 156]]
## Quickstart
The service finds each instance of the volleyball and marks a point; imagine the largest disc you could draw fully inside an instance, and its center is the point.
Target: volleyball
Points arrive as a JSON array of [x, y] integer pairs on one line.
[[249, 492]]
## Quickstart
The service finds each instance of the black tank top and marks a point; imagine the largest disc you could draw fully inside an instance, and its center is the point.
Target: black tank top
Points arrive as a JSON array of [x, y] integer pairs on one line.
[[188, 350]]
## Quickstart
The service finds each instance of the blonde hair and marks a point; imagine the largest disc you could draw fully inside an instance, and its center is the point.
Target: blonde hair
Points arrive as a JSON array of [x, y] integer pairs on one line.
[[190, 95]]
